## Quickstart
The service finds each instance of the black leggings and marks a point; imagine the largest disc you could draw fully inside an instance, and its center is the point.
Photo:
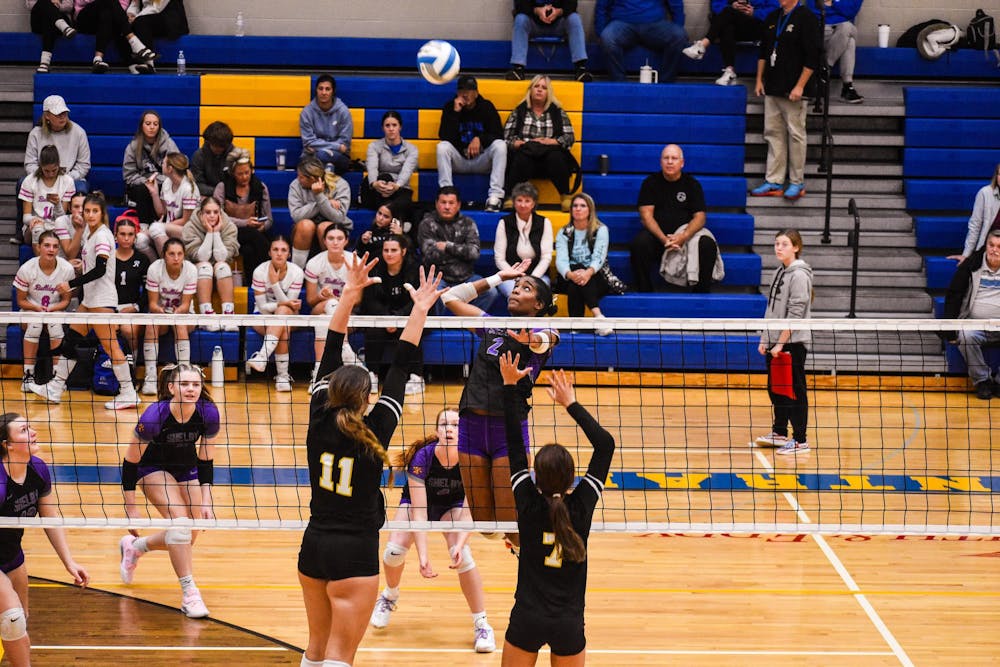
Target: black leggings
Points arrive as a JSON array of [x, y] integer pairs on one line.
[[589, 295], [43, 22], [794, 410], [730, 26], [107, 21], [552, 165], [254, 247]]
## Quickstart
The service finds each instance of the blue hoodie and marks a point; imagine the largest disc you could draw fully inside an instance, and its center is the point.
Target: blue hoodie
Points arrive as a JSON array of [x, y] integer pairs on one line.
[[637, 11], [761, 8], [841, 11], [326, 130]]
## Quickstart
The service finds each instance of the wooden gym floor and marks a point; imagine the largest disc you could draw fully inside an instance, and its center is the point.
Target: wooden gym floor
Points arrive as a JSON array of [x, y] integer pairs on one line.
[[659, 598]]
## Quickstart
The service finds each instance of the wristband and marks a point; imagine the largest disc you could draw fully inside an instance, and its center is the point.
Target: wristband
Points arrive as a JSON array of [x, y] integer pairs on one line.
[[542, 345], [206, 471], [130, 475], [494, 280]]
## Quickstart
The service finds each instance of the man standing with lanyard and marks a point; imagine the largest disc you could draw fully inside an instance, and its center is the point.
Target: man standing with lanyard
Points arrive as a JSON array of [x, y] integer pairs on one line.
[[789, 54]]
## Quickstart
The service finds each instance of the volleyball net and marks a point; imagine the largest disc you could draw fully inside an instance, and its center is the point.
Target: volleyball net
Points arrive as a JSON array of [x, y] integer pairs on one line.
[[899, 441]]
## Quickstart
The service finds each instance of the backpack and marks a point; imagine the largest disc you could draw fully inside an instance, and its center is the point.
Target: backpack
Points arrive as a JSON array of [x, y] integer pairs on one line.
[[105, 383], [981, 34]]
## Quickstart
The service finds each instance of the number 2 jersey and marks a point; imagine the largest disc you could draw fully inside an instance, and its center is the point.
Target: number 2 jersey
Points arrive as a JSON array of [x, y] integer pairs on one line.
[[21, 500]]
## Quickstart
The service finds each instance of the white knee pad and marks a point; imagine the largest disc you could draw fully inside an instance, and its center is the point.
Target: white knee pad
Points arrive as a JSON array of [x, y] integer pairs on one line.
[[394, 555], [467, 561], [33, 332], [142, 242], [13, 624], [205, 271], [177, 536], [157, 230], [222, 270], [321, 327], [55, 331], [331, 305]]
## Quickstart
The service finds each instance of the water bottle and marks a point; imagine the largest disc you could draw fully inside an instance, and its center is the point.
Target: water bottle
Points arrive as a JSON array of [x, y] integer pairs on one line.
[[181, 64], [218, 368], [240, 30]]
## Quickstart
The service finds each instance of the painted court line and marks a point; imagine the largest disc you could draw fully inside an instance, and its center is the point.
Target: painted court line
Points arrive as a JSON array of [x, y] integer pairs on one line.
[[705, 652], [64, 647]]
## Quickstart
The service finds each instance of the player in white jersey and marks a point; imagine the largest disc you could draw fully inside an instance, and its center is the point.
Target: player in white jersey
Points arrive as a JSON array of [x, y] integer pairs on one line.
[[171, 283], [45, 197], [36, 281], [174, 201], [99, 296], [276, 288], [326, 274]]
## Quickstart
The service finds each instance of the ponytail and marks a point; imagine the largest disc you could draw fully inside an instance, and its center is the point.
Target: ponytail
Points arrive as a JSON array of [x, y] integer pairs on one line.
[[567, 538], [352, 426], [554, 472], [348, 395]]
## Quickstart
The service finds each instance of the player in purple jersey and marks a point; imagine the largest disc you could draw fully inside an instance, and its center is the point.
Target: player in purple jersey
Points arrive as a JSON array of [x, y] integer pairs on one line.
[[25, 491]]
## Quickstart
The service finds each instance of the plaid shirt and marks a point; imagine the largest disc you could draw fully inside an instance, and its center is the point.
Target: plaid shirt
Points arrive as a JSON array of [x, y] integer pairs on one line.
[[538, 126]]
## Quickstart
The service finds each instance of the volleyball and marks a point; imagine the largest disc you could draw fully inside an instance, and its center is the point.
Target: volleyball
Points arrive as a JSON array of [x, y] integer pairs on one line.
[[438, 61]]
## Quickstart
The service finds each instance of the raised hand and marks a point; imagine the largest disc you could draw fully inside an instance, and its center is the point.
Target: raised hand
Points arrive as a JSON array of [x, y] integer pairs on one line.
[[358, 269], [515, 271], [561, 388], [427, 294], [508, 368]]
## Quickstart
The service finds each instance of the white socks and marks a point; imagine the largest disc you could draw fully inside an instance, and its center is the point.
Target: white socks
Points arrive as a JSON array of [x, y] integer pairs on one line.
[[136, 44], [124, 375], [270, 344], [183, 350], [150, 352], [187, 583], [281, 364], [391, 593]]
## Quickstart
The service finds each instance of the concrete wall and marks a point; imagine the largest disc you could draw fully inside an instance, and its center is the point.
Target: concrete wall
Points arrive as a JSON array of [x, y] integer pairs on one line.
[[469, 19]]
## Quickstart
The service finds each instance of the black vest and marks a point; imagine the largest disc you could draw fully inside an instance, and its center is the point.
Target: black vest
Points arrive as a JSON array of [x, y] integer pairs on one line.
[[534, 237]]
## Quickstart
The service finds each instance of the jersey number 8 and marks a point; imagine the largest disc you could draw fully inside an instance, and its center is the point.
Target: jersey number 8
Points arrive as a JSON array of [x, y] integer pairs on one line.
[[346, 466]]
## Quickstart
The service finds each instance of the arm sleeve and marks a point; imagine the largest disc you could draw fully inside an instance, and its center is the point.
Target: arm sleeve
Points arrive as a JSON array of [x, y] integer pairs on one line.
[[385, 415], [976, 221], [467, 244], [604, 444], [500, 246], [31, 153], [492, 127], [509, 127], [512, 427], [301, 203], [81, 167], [371, 161], [100, 266], [333, 354], [219, 251], [409, 164], [562, 254], [448, 129], [800, 292], [130, 166], [599, 256], [346, 126], [426, 240], [203, 251], [545, 248], [567, 138]]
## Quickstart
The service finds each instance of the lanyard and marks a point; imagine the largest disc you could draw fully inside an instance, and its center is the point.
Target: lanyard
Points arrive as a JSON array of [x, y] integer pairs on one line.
[[783, 23]]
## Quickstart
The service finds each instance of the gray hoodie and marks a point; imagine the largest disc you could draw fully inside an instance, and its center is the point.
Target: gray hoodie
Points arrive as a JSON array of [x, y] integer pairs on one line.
[[789, 298]]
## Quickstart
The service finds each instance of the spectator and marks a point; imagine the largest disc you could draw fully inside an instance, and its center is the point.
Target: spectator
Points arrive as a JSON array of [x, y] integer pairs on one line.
[[581, 253], [384, 225], [789, 54], [156, 19], [71, 246], [390, 163], [131, 268], [547, 18], [523, 235], [985, 215], [472, 140], [623, 24], [450, 241], [45, 199], [107, 21], [143, 163], [396, 268], [277, 286], [209, 163], [672, 211], [210, 243], [539, 135], [247, 201], [171, 284], [732, 21], [174, 202], [316, 199], [839, 41], [36, 281], [326, 126], [974, 293], [69, 138], [50, 21]]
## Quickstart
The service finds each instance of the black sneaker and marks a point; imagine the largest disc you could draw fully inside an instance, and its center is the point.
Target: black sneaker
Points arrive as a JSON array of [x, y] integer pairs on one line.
[[984, 390], [849, 95], [99, 67], [515, 73], [582, 75]]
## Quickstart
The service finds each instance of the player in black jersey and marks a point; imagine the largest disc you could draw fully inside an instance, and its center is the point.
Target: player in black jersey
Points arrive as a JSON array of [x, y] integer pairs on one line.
[[482, 446], [338, 560], [171, 457], [25, 490], [434, 492], [554, 522]]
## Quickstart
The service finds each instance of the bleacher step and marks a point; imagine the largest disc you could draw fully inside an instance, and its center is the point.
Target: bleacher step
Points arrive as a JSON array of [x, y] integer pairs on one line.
[[885, 221], [881, 363], [839, 258], [910, 301], [841, 168], [763, 238], [841, 278], [866, 203], [814, 138]]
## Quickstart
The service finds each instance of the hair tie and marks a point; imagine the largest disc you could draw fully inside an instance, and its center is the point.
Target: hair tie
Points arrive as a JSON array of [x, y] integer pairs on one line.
[[557, 495]]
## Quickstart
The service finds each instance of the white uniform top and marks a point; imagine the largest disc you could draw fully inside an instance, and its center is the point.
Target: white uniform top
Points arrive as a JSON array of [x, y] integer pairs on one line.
[[290, 285], [40, 286], [100, 293], [171, 290], [319, 271], [176, 202], [33, 189]]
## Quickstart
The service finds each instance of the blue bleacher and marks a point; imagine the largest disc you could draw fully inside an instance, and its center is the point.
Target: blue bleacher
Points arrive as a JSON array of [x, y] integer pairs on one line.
[[661, 305], [939, 271], [953, 102], [959, 162], [940, 232], [626, 351], [941, 194]]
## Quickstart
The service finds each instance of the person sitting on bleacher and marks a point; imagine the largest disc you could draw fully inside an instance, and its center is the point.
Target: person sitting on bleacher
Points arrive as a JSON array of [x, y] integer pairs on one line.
[[171, 283], [731, 21], [50, 21], [55, 128], [210, 161], [247, 201], [277, 286], [985, 215], [539, 135], [449, 241], [45, 199], [389, 163], [523, 235], [581, 253], [472, 141], [974, 293], [131, 267], [107, 21], [326, 126], [672, 212], [143, 164], [316, 199], [840, 43], [547, 18], [156, 19], [624, 24], [210, 243], [174, 201], [384, 225]]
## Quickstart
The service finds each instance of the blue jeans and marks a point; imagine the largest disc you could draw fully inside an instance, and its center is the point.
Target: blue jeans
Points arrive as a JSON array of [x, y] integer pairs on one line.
[[525, 27], [340, 161], [664, 36]]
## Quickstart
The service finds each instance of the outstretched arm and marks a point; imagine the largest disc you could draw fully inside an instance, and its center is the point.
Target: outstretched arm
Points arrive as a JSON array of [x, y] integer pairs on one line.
[[57, 537], [512, 414], [562, 392], [458, 297]]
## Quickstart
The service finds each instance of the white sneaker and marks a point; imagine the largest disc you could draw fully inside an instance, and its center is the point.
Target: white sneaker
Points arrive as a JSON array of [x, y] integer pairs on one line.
[[603, 331], [123, 401], [374, 380], [728, 77], [257, 362], [192, 605], [695, 52], [415, 385], [383, 609], [312, 381], [283, 383], [493, 205], [149, 386], [49, 391], [212, 326], [771, 440], [129, 558], [485, 640], [228, 325], [792, 447], [27, 380]]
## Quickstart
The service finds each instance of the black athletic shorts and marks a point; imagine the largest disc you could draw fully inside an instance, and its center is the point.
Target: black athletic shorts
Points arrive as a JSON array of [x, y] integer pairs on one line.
[[335, 555], [529, 632]]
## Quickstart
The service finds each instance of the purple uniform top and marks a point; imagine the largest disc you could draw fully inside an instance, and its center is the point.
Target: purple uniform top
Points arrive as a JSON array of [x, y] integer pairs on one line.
[[172, 445], [21, 500]]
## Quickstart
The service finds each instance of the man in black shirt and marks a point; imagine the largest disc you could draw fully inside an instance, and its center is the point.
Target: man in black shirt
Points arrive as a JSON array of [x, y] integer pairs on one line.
[[668, 200]]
